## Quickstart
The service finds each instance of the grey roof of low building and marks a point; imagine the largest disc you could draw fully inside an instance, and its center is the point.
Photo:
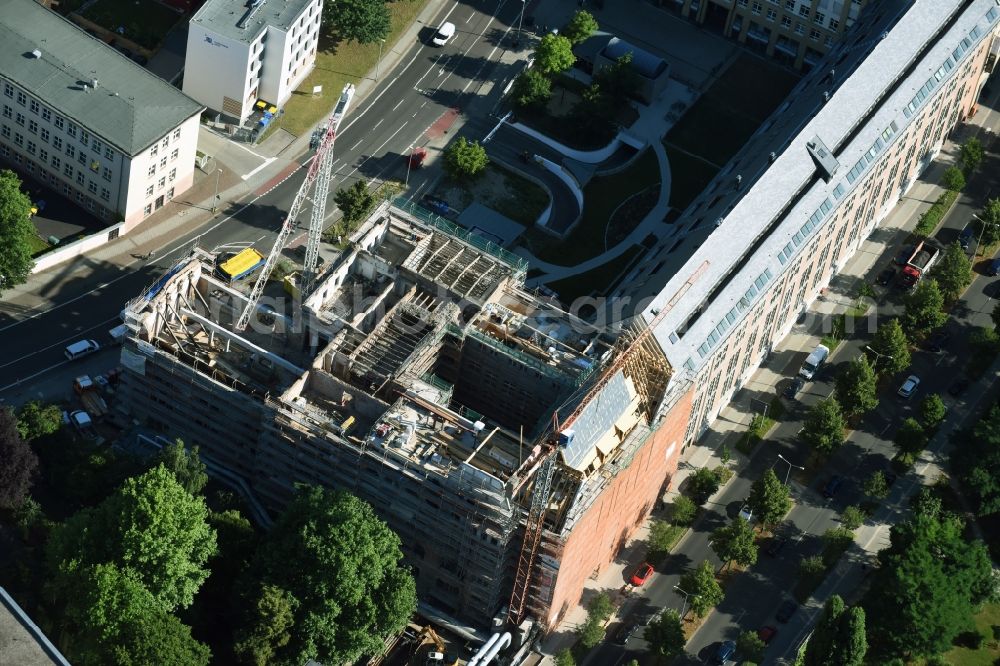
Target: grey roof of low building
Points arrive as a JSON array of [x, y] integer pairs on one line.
[[21, 641], [131, 107], [643, 62], [224, 17]]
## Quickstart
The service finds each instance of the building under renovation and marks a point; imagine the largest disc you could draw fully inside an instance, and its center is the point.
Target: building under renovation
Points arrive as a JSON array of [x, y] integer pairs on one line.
[[512, 447]]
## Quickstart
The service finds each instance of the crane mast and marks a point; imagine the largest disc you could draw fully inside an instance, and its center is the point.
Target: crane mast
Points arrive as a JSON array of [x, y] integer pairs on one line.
[[318, 175]]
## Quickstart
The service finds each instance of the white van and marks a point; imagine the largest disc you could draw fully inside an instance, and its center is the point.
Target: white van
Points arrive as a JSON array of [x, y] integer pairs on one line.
[[814, 361], [443, 34], [81, 348]]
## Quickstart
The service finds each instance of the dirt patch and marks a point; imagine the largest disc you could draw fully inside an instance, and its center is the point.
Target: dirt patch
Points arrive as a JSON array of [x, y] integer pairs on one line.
[[500, 189]]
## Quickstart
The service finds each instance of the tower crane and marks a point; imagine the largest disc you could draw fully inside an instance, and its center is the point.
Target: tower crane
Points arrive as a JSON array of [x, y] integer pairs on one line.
[[317, 180]]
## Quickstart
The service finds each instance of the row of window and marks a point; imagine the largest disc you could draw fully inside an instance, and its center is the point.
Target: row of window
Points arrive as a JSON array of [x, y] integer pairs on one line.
[[730, 318], [163, 162], [155, 148], [53, 179], [820, 18]]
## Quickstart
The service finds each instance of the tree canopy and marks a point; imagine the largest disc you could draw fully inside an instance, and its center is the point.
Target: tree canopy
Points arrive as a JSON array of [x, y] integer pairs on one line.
[[823, 428], [354, 201], [976, 460], [665, 635], [703, 590], [924, 593], [953, 179], [16, 232], [923, 309], [185, 465], [971, 155], [702, 484], [150, 525], [857, 388], [988, 223], [910, 438], [769, 498], [336, 565], [554, 54], [20, 464], [532, 89], [35, 419], [362, 21], [892, 348], [839, 636], [735, 543], [876, 485], [932, 411], [750, 647], [953, 271], [580, 26], [465, 159]]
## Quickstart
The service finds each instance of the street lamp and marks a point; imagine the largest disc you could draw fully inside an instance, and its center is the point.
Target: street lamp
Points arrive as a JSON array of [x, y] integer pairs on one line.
[[790, 466], [409, 161], [878, 357], [766, 405], [215, 201], [378, 62], [520, 20], [684, 605], [982, 229]]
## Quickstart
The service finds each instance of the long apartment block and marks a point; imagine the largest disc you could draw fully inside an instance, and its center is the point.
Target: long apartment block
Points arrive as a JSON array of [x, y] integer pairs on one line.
[[420, 375]]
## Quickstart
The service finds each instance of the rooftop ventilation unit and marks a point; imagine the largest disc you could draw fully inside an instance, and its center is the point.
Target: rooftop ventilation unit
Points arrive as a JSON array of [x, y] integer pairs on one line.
[[252, 8], [36, 54], [821, 156]]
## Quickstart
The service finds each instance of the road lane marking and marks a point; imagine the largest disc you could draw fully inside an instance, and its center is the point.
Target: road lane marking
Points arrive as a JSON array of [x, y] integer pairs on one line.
[[254, 172], [381, 120], [360, 141], [400, 102]]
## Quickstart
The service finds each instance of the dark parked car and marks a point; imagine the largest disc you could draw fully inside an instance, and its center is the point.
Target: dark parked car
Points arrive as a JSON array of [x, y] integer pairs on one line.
[[725, 652], [832, 486], [904, 255], [794, 387], [885, 277], [625, 631], [786, 610], [767, 634], [958, 388], [994, 268], [965, 238], [937, 342], [777, 543]]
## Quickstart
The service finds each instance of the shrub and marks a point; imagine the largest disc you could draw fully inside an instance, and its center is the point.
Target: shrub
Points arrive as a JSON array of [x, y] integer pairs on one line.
[[932, 216]]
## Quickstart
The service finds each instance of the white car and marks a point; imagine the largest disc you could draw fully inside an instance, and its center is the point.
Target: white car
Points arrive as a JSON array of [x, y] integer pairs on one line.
[[746, 513], [443, 34], [909, 387]]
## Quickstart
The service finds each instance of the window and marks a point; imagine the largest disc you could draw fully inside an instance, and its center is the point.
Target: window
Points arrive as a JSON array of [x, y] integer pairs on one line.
[[162, 182], [19, 119], [149, 191], [800, 29], [57, 142], [177, 134], [108, 153], [81, 157], [43, 155], [154, 150], [84, 137], [804, 11], [170, 194], [152, 170], [46, 114], [771, 15], [105, 193], [173, 154], [56, 163], [106, 174], [33, 126], [790, 5], [834, 24], [22, 99], [166, 142], [8, 90], [45, 135], [18, 139], [163, 162], [8, 112], [820, 18], [34, 107], [95, 166], [79, 178], [71, 130], [786, 22], [92, 187], [814, 34], [172, 175], [96, 146], [60, 122], [5, 131], [68, 170], [32, 147]]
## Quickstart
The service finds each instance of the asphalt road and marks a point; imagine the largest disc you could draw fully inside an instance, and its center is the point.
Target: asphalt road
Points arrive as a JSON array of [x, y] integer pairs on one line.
[[417, 102]]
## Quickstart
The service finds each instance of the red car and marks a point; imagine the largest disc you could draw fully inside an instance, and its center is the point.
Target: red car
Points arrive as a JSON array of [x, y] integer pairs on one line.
[[642, 574], [767, 634]]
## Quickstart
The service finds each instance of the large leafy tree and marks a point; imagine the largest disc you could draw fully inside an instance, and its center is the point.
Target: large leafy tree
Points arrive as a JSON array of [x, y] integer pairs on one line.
[[891, 347], [953, 179], [18, 463], [932, 411], [876, 486], [703, 590], [988, 222], [274, 611], [971, 155], [16, 231], [924, 593], [857, 388], [923, 309], [976, 460], [750, 647], [953, 271], [839, 636], [735, 543], [532, 89], [354, 201], [35, 419], [580, 26], [464, 160], [665, 635], [186, 466], [150, 525], [362, 21], [823, 428], [910, 438], [619, 80], [339, 565], [702, 484], [769, 498], [554, 54]]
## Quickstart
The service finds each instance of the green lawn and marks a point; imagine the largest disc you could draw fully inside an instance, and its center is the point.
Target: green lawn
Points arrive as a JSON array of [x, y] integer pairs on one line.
[[529, 203], [601, 197], [339, 63], [146, 22], [989, 652], [597, 280], [38, 245], [689, 176]]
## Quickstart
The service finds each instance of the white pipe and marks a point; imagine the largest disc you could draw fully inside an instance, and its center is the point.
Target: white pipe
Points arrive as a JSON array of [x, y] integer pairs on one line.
[[483, 650], [490, 649]]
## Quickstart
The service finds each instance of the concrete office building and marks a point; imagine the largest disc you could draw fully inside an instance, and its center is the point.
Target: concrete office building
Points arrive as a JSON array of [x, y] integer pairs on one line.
[[241, 52], [421, 376], [756, 247], [89, 122], [796, 32]]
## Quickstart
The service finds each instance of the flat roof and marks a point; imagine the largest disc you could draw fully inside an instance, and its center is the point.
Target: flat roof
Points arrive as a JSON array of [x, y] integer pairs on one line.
[[131, 108], [21, 641], [244, 20]]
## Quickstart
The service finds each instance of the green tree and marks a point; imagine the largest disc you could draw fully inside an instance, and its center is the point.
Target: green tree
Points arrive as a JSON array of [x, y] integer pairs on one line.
[[273, 613], [683, 511], [971, 156], [150, 525], [823, 428], [735, 543], [661, 538], [910, 438], [16, 232], [532, 89], [852, 644], [665, 635], [838, 638], [924, 593], [953, 179], [580, 27], [565, 658], [976, 460], [926, 503], [185, 465], [995, 316], [769, 498], [704, 591], [702, 484], [591, 632], [355, 202], [600, 607], [932, 411], [20, 464], [923, 309], [362, 21], [340, 565], [619, 80], [35, 419], [891, 347], [857, 388], [988, 222], [554, 54], [876, 486], [953, 271], [465, 159], [750, 647], [852, 518], [983, 343]]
